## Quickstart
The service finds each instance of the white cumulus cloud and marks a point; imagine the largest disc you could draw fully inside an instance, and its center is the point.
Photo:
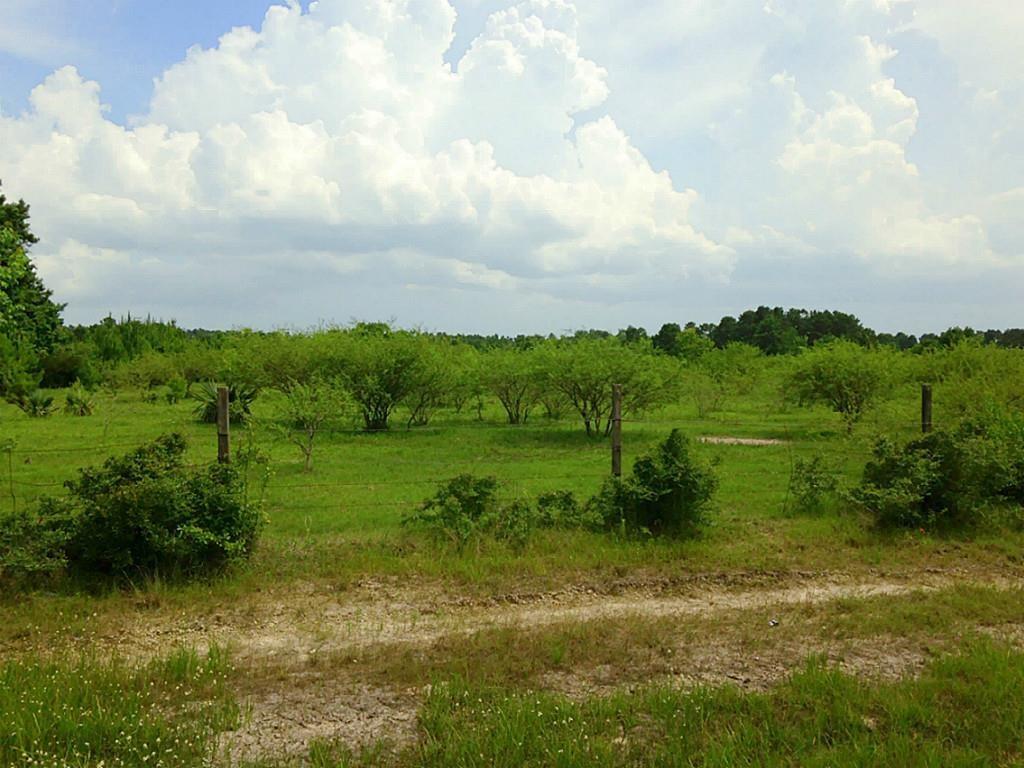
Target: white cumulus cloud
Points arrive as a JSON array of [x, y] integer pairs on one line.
[[341, 130]]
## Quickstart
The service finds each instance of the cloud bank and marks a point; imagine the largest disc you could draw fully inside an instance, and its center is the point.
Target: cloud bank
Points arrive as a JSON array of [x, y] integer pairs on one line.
[[336, 162]]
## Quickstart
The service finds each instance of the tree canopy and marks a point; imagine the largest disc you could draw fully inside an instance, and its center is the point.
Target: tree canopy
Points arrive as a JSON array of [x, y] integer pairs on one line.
[[28, 315]]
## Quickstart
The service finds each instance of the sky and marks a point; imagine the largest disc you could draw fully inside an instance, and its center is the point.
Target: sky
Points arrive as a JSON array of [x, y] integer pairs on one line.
[[536, 166]]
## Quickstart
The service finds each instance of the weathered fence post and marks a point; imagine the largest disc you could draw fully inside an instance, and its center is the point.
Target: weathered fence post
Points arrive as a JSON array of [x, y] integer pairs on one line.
[[617, 430], [926, 408], [223, 426]]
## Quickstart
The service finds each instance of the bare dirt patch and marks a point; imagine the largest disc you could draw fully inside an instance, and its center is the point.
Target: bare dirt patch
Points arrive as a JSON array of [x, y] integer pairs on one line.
[[310, 707], [752, 441]]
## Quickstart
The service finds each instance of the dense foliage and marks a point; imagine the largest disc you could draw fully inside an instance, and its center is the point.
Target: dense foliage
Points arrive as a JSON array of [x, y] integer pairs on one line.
[[669, 493], [842, 376], [139, 514], [949, 478]]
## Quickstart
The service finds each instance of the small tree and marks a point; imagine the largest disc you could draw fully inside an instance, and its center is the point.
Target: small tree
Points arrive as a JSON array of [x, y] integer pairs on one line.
[[585, 370], [305, 411], [514, 378], [842, 375], [380, 368], [432, 385]]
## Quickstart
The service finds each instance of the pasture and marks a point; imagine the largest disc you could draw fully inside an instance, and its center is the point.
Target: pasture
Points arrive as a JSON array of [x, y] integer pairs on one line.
[[351, 639]]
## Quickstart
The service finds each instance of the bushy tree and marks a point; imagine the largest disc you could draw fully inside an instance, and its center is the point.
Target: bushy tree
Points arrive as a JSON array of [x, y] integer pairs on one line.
[[842, 375], [515, 378], [434, 381], [684, 343], [585, 370], [381, 368]]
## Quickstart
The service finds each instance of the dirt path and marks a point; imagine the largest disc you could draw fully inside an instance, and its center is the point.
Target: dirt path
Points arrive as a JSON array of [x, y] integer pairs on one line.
[[296, 626], [291, 641], [336, 704]]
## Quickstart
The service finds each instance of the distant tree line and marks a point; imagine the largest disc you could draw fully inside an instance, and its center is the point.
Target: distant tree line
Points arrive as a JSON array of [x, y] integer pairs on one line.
[[38, 349]]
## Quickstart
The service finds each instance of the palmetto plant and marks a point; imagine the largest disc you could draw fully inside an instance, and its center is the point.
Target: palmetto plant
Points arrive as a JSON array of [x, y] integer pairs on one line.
[[240, 399], [79, 401], [37, 405]]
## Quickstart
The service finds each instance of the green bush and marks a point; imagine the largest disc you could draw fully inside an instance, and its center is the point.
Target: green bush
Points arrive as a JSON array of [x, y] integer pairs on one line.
[[461, 508], [468, 507], [31, 546], [668, 493], [812, 486], [146, 512], [947, 478], [69, 363], [177, 390]]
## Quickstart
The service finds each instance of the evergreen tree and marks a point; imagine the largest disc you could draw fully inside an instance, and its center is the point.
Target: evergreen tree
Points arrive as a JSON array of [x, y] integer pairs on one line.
[[29, 317]]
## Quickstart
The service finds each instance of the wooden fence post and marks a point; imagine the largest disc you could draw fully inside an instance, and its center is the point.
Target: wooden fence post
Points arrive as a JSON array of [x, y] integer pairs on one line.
[[617, 430], [926, 408], [223, 426]]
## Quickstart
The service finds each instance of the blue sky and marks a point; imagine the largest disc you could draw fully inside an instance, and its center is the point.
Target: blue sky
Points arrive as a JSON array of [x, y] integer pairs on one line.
[[536, 165], [123, 45]]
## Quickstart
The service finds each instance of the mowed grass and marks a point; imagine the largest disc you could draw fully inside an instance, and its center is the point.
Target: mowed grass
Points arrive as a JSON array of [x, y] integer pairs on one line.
[[342, 522]]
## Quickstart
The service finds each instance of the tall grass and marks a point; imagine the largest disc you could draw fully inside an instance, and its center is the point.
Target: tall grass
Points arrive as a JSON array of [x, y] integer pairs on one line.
[[91, 712]]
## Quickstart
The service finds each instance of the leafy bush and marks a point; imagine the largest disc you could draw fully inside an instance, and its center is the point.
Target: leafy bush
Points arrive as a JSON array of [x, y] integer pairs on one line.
[[38, 405], [146, 512], [32, 547], [812, 486], [668, 493], [67, 364], [461, 507], [19, 374], [240, 400], [467, 507], [177, 390], [947, 478], [79, 401]]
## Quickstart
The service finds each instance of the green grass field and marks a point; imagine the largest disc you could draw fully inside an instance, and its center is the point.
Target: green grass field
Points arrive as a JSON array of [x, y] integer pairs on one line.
[[338, 528]]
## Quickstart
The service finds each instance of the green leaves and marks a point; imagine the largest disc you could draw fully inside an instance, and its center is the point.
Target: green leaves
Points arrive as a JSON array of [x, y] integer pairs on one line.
[[844, 376]]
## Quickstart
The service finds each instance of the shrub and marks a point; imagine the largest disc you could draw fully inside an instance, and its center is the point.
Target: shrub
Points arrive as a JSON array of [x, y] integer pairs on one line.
[[37, 405], [240, 400], [146, 512], [32, 547], [79, 401], [68, 364], [812, 486], [177, 390], [19, 374], [668, 493], [467, 507], [561, 509], [461, 507], [946, 478]]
